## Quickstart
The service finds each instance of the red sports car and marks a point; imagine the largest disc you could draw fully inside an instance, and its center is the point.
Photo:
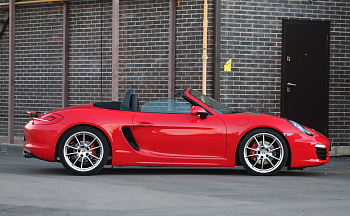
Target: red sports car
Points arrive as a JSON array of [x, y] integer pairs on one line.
[[193, 131]]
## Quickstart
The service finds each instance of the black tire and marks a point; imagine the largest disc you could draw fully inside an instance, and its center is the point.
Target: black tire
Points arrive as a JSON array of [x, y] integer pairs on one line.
[[263, 152], [83, 150]]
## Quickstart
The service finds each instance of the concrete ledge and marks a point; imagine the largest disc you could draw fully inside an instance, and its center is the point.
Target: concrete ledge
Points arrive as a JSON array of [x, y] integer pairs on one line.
[[340, 151], [11, 148]]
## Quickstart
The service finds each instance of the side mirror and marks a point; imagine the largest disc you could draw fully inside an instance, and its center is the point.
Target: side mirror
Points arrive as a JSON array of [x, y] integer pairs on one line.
[[197, 110]]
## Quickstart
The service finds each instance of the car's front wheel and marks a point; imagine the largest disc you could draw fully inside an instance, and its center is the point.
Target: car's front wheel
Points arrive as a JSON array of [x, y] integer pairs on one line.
[[83, 150], [263, 152]]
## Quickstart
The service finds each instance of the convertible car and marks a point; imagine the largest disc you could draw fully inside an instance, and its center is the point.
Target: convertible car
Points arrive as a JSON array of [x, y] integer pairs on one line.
[[195, 130]]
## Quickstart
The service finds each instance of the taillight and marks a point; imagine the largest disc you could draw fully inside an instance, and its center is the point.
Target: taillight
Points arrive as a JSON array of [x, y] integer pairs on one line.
[[46, 119]]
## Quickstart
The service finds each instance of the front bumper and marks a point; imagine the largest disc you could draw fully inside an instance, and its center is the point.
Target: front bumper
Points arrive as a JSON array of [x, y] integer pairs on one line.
[[308, 150], [321, 151]]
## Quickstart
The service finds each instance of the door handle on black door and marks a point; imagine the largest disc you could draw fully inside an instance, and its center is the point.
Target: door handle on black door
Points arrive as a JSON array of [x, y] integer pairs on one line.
[[291, 84]]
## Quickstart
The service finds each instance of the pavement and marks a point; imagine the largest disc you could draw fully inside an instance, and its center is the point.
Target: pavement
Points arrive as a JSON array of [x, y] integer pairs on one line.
[[33, 187]]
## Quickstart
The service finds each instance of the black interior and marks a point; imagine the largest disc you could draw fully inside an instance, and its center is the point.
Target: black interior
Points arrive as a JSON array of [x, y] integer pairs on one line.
[[113, 105], [134, 103], [130, 102]]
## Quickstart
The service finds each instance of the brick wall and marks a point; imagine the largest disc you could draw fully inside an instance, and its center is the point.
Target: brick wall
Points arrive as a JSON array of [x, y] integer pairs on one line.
[[4, 67], [189, 45], [38, 53], [38, 66], [86, 20], [144, 42], [252, 37]]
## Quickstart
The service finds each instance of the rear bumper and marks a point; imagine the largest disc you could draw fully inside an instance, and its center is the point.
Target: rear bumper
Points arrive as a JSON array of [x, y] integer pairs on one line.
[[40, 141], [28, 154]]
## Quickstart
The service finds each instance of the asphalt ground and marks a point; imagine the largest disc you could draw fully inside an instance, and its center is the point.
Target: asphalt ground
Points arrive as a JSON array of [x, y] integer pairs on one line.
[[36, 187]]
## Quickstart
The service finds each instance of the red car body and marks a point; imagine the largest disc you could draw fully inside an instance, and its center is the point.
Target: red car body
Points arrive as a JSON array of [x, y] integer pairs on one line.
[[170, 139]]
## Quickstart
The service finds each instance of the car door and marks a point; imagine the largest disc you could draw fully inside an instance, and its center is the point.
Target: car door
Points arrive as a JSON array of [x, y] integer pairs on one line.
[[176, 134]]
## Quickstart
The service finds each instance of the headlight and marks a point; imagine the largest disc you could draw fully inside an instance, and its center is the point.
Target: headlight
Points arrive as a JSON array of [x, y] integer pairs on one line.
[[301, 128]]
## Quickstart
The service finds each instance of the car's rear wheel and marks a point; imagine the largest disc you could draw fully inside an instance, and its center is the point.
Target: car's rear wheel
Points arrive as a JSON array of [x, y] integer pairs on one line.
[[263, 152], [83, 150]]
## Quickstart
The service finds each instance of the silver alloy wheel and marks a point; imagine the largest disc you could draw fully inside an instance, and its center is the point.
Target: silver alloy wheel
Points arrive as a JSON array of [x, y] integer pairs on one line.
[[83, 151], [263, 153]]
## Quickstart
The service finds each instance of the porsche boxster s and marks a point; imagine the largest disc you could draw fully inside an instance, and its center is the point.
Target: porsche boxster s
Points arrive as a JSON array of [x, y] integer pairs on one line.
[[194, 130]]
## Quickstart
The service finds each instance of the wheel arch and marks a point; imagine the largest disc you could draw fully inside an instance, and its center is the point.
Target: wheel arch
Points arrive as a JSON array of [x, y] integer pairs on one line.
[[79, 125], [238, 162]]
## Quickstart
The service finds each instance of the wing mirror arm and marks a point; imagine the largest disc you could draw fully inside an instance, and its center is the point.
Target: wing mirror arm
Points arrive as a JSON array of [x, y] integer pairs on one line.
[[199, 111]]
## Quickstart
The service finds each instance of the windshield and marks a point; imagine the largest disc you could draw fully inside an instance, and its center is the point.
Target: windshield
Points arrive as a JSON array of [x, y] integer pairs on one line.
[[215, 105]]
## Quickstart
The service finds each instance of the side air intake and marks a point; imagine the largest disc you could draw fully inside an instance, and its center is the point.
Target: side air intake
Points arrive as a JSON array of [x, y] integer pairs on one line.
[[130, 138]]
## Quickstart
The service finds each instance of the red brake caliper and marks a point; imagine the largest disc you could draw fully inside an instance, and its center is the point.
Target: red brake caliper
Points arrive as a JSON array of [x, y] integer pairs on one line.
[[251, 152], [93, 151]]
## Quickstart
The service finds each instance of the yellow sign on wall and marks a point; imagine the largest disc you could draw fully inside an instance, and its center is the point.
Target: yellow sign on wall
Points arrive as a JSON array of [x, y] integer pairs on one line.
[[227, 66]]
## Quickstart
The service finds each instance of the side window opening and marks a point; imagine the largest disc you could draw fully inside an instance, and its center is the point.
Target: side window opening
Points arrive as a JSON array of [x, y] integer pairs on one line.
[[167, 106]]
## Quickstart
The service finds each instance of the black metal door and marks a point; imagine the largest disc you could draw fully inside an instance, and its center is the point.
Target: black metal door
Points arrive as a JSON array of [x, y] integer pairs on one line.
[[305, 73]]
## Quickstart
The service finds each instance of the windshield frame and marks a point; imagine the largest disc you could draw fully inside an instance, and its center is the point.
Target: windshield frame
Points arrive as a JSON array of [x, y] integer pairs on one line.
[[209, 102]]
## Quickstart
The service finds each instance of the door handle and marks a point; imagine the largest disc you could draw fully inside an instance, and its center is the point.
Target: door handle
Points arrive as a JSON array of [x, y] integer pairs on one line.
[[291, 84], [144, 124]]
